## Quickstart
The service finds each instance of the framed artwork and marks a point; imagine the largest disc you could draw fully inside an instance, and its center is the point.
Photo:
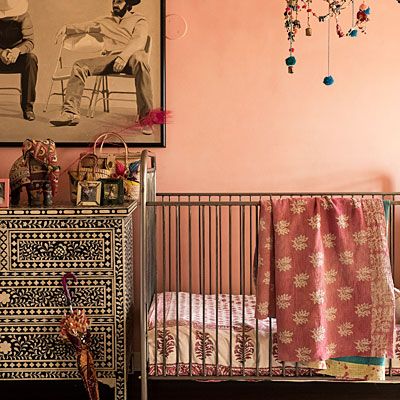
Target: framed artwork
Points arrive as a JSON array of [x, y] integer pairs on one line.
[[122, 84], [112, 192], [4, 193], [89, 193]]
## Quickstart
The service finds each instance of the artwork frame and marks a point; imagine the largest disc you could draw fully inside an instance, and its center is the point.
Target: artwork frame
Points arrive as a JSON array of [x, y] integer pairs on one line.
[[112, 192], [4, 193], [85, 133], [88, 193]]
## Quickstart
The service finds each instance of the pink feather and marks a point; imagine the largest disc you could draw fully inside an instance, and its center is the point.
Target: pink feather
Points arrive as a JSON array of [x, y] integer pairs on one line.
[[155, 117]]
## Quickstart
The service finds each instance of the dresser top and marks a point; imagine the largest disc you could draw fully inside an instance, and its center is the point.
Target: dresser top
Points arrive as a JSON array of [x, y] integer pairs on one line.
[[70, 210]]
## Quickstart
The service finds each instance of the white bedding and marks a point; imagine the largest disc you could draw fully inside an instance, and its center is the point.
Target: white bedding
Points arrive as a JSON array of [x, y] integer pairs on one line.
[[218, 338]]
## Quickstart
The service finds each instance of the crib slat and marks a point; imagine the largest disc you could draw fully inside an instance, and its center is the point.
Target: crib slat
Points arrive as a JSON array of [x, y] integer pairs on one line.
[[392, 239], [251, 248], [209, 251], [270, 346], [190, 289], [217, 252], [177, 279], [169, 249], [164, 345], [220, 247], [155, 299], [199, 239], [230, 289], [203, 265], [271, 338], [257, 333], [243, 284], [178, 245]]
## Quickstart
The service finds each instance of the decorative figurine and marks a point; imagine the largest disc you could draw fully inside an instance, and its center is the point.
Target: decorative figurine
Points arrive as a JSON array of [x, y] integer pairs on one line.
[[37, 170]]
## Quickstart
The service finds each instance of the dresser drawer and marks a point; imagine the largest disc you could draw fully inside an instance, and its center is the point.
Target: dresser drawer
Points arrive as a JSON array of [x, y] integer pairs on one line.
[[44, 297], [33, 250], [41, 347]]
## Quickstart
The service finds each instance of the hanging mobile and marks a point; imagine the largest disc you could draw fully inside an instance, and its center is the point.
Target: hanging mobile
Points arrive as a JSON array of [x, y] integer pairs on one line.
[[328, 80], [292, 25]]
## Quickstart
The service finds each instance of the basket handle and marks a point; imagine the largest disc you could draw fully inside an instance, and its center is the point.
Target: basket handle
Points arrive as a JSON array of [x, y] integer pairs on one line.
[[103, 138], [88, 156]]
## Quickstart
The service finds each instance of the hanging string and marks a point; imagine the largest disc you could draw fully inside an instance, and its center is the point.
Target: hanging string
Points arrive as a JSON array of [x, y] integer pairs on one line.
[[353, 30], [328, 80], [308, 29], [329, 43]]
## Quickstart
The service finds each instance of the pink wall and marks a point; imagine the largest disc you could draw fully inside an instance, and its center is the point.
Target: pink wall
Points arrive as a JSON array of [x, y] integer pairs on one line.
[[242, 123]]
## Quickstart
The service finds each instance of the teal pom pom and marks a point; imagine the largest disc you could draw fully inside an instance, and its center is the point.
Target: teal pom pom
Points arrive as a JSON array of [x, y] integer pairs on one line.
[[290, 61], [368, 11], [353, 33], [328, 80]]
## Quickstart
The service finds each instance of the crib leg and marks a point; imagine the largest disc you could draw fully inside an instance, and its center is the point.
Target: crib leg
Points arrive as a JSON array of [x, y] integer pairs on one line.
[[143, 379]]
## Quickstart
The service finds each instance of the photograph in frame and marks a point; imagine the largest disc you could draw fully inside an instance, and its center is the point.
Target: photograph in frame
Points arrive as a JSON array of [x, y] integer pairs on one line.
[[4, 193], [89, 193], [93, 48], [112, 192]]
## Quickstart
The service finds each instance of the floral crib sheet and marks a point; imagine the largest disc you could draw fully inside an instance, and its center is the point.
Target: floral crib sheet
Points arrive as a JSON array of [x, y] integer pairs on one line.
[[211, 357]]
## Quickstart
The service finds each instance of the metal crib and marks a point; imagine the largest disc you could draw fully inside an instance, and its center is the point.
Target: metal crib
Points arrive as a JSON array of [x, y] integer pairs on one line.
[[203, 244]]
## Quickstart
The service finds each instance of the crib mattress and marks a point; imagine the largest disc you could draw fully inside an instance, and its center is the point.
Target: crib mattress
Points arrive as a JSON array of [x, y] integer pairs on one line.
[[217, 347]]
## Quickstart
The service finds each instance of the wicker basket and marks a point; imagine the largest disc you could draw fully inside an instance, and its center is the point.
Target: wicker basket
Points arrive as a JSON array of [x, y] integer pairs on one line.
[[87, 170]]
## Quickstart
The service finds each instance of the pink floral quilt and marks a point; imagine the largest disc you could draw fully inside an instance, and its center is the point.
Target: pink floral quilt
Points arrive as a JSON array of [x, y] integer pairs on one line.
[[324, 273]]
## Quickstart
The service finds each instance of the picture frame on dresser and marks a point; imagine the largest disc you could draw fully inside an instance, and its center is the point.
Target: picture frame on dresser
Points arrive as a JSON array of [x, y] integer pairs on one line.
[[89, 193], [4, 192], [112, 100], [112, 192]]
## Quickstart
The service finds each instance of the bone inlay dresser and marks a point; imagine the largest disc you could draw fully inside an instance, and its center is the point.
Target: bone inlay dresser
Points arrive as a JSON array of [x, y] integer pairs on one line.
[[37, 247]]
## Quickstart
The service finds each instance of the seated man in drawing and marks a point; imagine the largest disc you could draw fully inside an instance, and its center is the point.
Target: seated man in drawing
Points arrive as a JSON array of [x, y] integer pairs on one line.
[[16, 44], [125, 34]]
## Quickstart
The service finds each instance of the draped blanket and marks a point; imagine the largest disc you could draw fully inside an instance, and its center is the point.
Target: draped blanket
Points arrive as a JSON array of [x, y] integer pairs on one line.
[[324, 273]]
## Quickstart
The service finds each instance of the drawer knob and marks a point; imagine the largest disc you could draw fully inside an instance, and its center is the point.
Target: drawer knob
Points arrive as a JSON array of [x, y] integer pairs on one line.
[[4, 298]]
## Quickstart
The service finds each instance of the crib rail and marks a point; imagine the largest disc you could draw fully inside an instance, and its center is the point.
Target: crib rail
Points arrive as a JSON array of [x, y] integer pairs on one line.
[[198, 252]]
